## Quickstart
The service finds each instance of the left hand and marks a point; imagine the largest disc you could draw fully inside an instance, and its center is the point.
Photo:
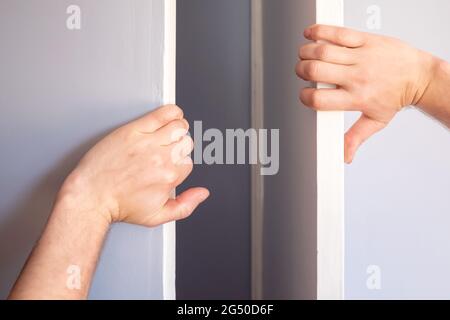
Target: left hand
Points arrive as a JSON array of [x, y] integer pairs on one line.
[[375, 75]]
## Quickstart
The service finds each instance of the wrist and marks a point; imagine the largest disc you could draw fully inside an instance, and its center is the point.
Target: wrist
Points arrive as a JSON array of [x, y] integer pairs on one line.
[[430, 68], [79, 196]]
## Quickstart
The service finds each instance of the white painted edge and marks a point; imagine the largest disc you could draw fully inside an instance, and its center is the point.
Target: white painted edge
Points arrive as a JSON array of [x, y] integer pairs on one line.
[[257, 119], [330, 182], [169, 97]]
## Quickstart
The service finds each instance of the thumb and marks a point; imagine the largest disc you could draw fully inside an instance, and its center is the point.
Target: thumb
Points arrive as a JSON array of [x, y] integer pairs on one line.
[[362, 130], [183, 206]]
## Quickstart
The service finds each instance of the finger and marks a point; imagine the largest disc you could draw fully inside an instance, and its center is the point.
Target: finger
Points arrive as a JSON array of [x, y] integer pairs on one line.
[[183, 206], [327, 53], [158, 118], [340, 36], [181, 149], [172, 132], [184, 170], [319, 71], [362, 130], [328, 99]]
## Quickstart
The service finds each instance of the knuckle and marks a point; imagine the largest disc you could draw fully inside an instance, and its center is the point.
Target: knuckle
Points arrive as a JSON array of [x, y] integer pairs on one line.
[[342, 36], [322, 52], [303, 96], [189, 143], [362, 98], [135, 151], [316, 31], [131, 155], [177, 124], [184, 148], [128, 134], [189, 163], [312, 69], [361, 77], [179, 130], [356, 101], [175, 110], [316, 100], [298, 69], [156, 160], [170, 176], [183, 124], [302, 52]]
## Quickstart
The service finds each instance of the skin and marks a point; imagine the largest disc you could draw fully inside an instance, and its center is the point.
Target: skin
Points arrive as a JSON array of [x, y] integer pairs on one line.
[[375, 75], [127, 177]]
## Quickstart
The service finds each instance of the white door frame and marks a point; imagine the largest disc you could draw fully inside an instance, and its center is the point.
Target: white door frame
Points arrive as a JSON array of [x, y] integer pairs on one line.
[[169, 97], [330, 181]]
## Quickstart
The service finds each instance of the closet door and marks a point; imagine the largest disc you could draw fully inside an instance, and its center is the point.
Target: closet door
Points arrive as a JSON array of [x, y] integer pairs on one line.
[[71, 72]]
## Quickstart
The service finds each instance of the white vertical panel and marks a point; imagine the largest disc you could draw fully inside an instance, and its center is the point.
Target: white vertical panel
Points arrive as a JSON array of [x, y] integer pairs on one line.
[[169, 93], [330, 181]]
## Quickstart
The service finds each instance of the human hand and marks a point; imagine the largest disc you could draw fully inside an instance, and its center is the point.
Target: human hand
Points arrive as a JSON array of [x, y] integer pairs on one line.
[[375, 75], [129, 175]]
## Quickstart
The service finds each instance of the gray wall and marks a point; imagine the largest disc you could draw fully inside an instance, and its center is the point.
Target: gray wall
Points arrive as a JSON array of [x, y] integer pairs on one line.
[[213, 85], [290, 206], [60, 91], [397, 191]]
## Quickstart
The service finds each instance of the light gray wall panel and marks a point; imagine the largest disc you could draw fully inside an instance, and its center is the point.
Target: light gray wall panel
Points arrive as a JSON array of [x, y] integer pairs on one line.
[[397, 190], [60, 91]]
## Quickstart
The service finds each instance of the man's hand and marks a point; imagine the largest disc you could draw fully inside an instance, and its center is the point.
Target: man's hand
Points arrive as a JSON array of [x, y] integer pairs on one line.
[[129, 176], [375, 75]]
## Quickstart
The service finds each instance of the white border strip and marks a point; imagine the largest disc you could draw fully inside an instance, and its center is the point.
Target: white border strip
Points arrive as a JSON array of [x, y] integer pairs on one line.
[[330, 182], [257, 116], [169, 97]]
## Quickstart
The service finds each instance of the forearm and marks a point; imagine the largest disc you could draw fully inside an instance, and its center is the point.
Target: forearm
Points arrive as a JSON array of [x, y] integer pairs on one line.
[[64, 260], [436, 99]]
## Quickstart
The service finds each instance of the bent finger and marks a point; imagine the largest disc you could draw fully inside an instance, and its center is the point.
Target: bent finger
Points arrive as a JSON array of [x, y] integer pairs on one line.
[[327, 53], [157, 118], [172, 132], [319, 71], [338, 35], [327, 99]]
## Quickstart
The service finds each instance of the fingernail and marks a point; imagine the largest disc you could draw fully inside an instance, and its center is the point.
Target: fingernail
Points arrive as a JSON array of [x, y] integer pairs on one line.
[[307, 33]]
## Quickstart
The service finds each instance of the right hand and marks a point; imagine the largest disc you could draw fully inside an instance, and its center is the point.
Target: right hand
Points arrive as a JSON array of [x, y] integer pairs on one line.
[[129, 176]]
